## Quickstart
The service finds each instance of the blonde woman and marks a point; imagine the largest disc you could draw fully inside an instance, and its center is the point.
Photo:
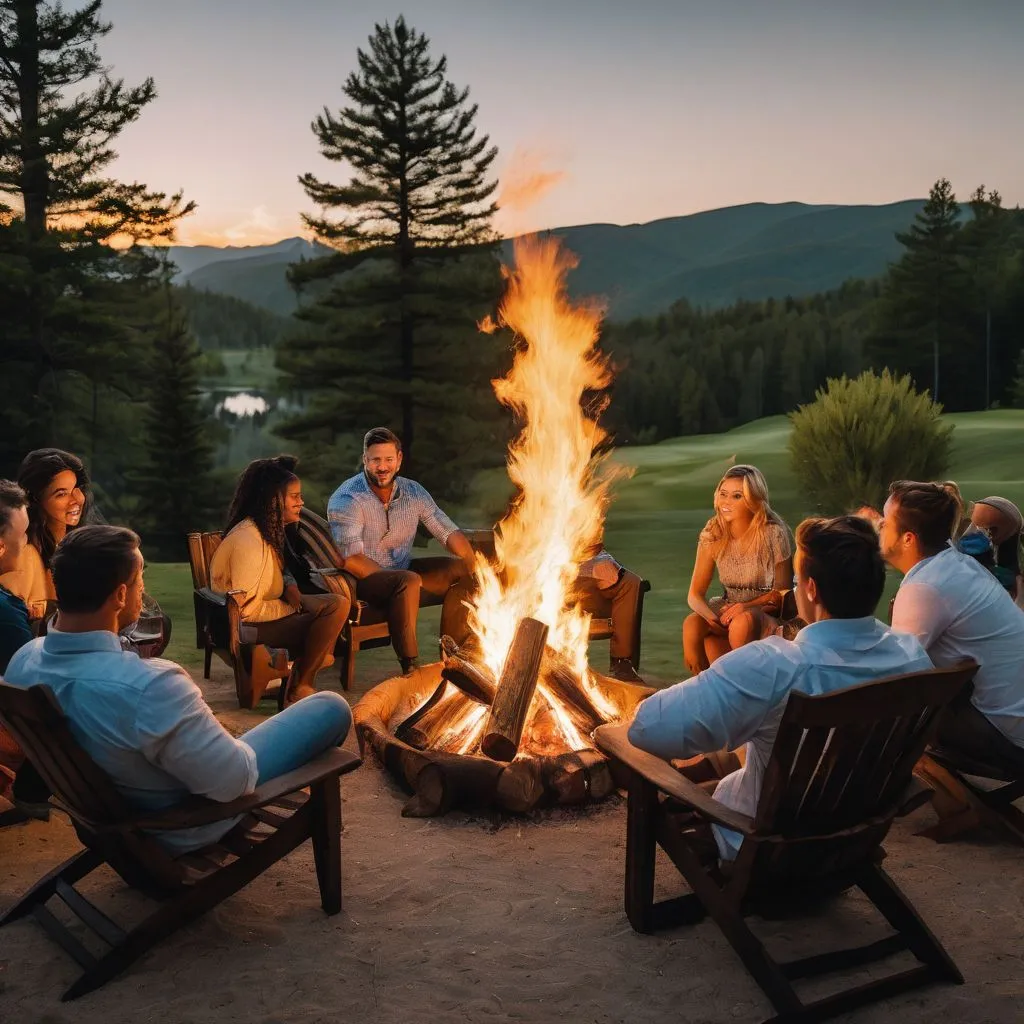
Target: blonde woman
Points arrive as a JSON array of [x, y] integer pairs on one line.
[[750, 548]]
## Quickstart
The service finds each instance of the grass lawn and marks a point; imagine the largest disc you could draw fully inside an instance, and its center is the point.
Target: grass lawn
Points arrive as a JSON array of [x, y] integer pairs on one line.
[[654, 521]]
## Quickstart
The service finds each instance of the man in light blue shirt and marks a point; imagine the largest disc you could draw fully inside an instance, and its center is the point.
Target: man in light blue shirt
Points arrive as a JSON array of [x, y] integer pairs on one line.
[[957, 609], [839, 577], [374, 516], [144, 722]]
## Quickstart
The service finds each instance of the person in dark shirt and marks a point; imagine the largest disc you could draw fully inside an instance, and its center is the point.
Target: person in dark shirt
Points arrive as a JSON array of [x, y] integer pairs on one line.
[[14, 627]]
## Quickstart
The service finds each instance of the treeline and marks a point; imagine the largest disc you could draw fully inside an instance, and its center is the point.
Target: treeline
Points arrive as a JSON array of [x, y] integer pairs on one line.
[[225, 322], [950, 313]]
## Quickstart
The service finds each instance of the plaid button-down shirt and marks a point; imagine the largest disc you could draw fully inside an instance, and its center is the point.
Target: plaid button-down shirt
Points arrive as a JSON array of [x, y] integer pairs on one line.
[[362, 524]]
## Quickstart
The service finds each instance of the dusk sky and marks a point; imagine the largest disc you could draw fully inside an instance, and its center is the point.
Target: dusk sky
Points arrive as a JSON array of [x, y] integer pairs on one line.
[[651, 108]]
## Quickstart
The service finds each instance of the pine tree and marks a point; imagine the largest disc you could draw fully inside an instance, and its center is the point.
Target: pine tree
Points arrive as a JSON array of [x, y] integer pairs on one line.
[[927, 298], [390, 337], [60, 112], [175, 485]]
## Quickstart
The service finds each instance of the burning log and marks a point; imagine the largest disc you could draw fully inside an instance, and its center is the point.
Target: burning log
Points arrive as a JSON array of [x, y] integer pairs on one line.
[[563, 682], [511, 703], [473, 679]]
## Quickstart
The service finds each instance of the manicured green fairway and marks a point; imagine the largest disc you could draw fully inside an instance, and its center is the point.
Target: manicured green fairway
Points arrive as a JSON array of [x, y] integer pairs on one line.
[[654, 521]]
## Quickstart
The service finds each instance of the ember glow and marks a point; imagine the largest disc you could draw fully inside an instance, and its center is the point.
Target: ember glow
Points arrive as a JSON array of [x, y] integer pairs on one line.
[[562, 489]]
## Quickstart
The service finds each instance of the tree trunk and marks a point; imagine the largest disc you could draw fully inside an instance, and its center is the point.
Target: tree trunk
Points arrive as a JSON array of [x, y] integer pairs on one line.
[[515, 691], [34, 171]]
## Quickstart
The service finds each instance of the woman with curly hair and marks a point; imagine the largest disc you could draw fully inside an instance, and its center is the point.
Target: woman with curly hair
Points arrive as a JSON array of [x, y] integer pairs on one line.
[[749, 546], [57, 486], [250, 559]]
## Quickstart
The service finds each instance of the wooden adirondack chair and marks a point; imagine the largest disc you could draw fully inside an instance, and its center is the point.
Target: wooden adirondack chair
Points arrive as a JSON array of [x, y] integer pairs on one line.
[[966, 804], [278, 817], [839, 773], [219, 630]]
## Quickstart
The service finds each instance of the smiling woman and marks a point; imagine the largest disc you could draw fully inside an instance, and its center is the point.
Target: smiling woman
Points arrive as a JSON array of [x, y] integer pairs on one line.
[[57, 486]]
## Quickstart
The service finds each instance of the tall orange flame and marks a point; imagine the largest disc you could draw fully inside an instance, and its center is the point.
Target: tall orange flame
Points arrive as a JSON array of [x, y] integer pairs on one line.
[[562, 484]]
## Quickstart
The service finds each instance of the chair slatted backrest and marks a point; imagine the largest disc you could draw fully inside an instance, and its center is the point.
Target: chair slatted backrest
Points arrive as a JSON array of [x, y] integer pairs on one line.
[[844, 758], [315, 542], [210, 543], [34, 718], [197, 562]]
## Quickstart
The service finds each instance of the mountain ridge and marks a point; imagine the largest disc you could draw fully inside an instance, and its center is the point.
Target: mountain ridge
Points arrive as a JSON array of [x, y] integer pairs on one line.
[[713, 258]]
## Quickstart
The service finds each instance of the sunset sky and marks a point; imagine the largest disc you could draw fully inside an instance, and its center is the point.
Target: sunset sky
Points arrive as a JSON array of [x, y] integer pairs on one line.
[[651, 108]]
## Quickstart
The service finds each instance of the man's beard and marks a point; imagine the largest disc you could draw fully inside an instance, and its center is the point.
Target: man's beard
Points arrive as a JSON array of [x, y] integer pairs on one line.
[[375, 481]]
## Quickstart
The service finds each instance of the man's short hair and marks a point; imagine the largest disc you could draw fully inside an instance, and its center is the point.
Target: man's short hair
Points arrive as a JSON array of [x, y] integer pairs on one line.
[[929, 511], [381, 435], [90, 563], [11, 497], [842, 556]]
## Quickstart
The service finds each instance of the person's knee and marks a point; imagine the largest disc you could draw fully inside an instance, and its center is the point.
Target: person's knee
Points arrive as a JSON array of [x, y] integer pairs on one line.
[[744, 627], [629, 583], [332, 710], [694, 626], [406, 580]]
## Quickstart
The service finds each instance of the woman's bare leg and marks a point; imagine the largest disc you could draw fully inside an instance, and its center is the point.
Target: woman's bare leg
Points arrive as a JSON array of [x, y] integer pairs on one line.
[[695, 630]]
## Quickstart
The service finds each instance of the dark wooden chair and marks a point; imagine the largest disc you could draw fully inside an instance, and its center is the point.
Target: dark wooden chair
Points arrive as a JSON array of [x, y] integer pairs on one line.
[[278, 817], [219, 631], [970, 793], [311, 551], [839, 773]]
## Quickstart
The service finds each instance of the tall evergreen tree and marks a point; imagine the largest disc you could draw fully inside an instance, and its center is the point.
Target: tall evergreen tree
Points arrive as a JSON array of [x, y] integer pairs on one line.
[[390, 337], [60, 112], [926, 299], [175, 483]]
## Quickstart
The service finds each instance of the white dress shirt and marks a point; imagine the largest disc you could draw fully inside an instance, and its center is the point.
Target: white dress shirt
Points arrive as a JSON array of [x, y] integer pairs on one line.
[[958, 609], [741, 697], [144, 722]]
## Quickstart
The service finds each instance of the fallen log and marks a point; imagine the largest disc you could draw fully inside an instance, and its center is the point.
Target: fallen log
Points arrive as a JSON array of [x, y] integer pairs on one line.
[[518, 682]]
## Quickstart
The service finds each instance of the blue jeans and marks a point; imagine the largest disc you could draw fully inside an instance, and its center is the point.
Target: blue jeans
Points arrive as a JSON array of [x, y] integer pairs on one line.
[[299, 733]]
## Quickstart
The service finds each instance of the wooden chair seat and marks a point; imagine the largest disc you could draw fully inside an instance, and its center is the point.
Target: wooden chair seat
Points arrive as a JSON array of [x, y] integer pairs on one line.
[[279, 816], [840, 772]]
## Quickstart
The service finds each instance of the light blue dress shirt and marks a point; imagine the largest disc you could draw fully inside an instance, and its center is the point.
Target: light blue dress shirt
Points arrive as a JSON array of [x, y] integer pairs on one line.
[[958, 609], [741, 697], [362, 524], [144, 722]]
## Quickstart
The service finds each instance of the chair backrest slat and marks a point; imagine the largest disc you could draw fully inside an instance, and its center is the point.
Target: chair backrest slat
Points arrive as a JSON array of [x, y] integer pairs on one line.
[[845, 757], [197, 562], [35, 720]]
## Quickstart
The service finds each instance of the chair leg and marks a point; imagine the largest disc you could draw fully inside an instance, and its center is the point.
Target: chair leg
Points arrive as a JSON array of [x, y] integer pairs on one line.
[[349, 665], [326, 836], [207, 661], [641, 849], [72, 870], [897, 910]]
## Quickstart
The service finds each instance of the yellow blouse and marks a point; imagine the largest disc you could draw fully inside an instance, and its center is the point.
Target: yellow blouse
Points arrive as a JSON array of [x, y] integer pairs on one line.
[[245, 561], [30, 580]]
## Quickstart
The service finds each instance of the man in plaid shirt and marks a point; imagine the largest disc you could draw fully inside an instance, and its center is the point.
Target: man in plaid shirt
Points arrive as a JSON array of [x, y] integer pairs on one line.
[[374, 516]]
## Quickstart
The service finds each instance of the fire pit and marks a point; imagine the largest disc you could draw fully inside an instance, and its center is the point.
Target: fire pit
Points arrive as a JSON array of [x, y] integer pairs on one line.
[[506, 719]]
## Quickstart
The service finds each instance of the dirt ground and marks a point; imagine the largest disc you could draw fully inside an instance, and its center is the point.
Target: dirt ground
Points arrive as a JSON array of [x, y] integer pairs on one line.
[[481, 918]]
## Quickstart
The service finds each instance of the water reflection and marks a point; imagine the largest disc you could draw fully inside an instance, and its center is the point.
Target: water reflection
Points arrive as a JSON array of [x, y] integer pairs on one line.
[[246, 418], [242, 404]]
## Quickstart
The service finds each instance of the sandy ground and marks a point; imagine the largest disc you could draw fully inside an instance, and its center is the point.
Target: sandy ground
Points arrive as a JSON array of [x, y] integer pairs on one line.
[[477, 918]]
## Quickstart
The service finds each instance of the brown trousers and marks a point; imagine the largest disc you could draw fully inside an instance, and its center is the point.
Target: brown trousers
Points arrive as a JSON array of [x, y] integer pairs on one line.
[[438, 580], [621, 603], [309, 635]]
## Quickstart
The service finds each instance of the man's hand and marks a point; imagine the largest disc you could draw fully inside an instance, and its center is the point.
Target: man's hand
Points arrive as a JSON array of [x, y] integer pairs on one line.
[[606, 573], [293, 597]]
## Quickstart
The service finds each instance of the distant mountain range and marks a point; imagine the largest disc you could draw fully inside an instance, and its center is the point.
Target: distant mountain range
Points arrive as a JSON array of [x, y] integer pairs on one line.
[[754, 251]]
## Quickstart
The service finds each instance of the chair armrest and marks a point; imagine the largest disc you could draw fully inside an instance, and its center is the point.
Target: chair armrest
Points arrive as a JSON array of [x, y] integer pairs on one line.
[[613, 740], [200, 810], [212, 596], [332, 571], [917, 794]]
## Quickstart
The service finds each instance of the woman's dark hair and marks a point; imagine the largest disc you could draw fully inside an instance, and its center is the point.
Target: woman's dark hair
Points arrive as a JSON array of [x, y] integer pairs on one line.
[[35, 474], [928, 511], [258, 496], [842, 556], [11, 497], [90, 564]]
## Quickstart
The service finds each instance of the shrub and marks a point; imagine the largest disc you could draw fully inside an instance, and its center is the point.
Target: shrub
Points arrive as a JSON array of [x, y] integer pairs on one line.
[[857, 436]]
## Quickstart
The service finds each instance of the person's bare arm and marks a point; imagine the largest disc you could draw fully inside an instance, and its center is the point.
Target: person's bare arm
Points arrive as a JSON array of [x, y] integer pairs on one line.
[[460, 547], [703, 573]]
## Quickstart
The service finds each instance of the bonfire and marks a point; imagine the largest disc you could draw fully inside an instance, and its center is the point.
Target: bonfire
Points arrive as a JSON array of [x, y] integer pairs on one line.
[[508, 716]]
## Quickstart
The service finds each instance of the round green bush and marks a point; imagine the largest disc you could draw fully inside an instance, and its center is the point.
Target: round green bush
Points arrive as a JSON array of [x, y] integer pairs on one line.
[[859, 435]]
